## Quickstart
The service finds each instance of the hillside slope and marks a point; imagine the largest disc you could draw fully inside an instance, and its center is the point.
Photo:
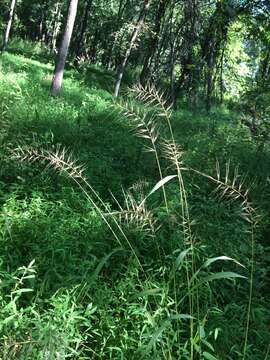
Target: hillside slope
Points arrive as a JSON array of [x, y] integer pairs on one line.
[[112, 276]]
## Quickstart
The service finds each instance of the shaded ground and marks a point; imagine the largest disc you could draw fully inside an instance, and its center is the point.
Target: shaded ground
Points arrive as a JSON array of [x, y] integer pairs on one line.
[[46, 218]]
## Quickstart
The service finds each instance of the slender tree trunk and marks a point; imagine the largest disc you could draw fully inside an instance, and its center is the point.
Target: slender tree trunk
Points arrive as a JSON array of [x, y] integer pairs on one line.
[[162, 43], [94, 47], [80, 40], [209, 81], [42, 29], [60, 64], [134, 36], [56, 26], [7, 32], [117, 25], [172, 78], [172, 42], [212, 50], [191, 17], [264, 68], [153, 43], [40, 33], [221, 76], [43, 37]]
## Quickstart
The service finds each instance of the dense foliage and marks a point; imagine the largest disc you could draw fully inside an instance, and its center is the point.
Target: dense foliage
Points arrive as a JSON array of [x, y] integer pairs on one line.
[[136, 227]]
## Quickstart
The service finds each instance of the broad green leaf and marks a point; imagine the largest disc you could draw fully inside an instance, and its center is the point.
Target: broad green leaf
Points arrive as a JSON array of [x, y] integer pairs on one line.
[[217, 330], [181, 257], [161, 183], [102, 263], [148, 292], [31, 263], [202, 332], [222, 275], [196, 346], [208, 344], [163, 326], [181, 317], [212, 260], [29, 277], [20, 291], [208, 356]]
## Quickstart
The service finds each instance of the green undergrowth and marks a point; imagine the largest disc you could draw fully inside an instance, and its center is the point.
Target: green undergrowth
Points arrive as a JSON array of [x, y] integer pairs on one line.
[[71, 289]]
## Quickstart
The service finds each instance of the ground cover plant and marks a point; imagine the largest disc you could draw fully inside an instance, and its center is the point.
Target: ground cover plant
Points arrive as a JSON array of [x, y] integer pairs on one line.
[[146, 284], [135, 226]]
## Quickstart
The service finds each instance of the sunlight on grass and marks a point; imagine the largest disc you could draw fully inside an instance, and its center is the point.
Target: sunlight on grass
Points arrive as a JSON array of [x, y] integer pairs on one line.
[[67, 283]]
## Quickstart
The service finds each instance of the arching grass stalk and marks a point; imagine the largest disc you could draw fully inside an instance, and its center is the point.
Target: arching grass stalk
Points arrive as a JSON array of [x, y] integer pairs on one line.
[[146, 128], [174, 154], [235, 190], [230, 189], [63, 163], [267, 352], [150, 96], [134, 212], [251, 287]]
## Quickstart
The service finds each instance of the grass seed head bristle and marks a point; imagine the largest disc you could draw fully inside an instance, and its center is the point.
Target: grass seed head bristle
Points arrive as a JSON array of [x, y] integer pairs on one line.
[[128, 109], [172, 152], [134, 211], [149, 95], [232, 187], [60, 160], [144, 124]]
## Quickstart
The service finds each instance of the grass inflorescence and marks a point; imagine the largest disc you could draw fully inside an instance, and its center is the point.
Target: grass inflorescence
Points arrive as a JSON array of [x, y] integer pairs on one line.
[[121, 235]]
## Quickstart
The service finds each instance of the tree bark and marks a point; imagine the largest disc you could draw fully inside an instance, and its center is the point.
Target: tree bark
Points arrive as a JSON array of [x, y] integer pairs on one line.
[[7, 32], [191, 18], [56, 26], [209, 81], [60, 64], [214, 42], [133, 39], [221, 76], [264, 69], [153, 43], [80, 41]]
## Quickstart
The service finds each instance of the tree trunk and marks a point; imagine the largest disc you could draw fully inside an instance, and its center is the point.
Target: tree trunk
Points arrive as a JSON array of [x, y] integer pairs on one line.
[[221, 76], [56, 26], [172, 78], [60, 64], [191, 18], [153, 43], [209, 81], [7, 32], [80, 41], [172, 42], [264, 68], [213, 44], [134, 36], [94, 47]]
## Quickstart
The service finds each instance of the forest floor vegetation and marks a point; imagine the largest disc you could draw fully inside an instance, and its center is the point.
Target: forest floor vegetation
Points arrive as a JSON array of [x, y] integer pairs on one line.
[[91, 267]]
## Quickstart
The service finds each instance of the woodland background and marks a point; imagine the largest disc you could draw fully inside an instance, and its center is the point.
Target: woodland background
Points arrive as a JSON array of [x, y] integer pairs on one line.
[[134, 194]]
